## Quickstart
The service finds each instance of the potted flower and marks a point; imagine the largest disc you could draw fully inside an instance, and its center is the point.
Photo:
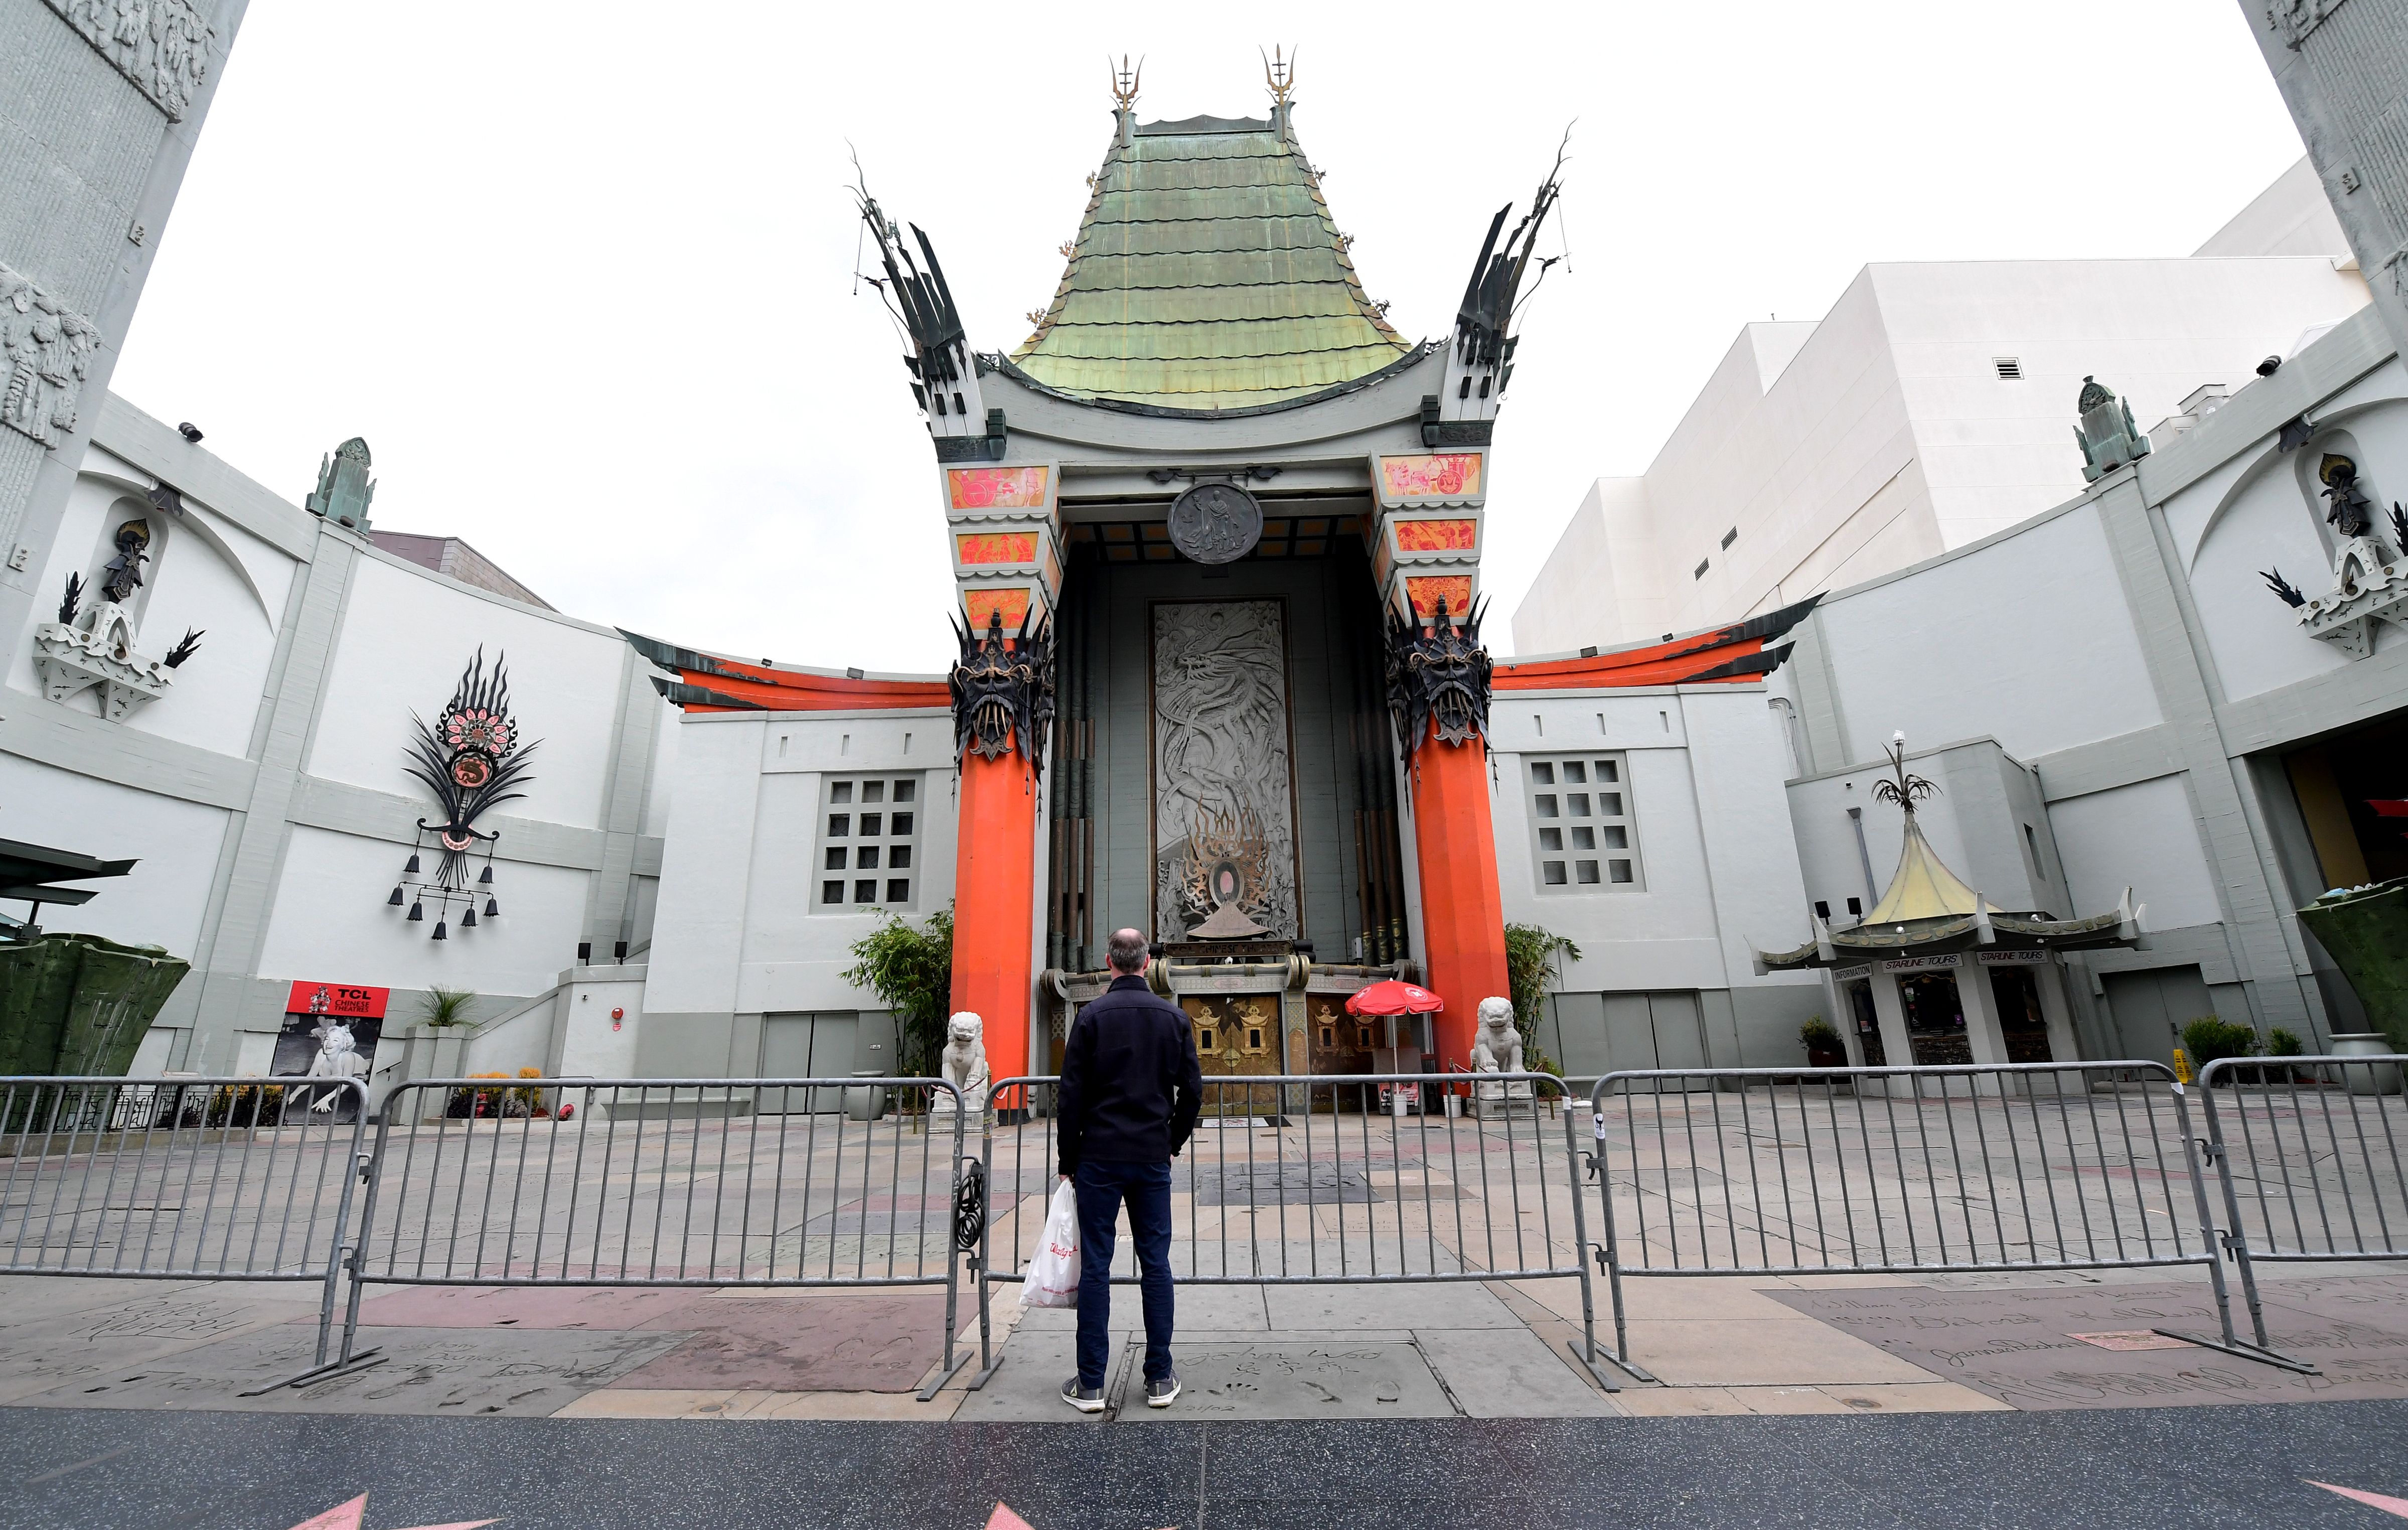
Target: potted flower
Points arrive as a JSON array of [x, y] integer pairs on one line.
[[1824, 1048]]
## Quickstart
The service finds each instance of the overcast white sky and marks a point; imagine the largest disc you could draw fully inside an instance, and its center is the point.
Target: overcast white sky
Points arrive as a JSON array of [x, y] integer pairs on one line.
[[581, 274]]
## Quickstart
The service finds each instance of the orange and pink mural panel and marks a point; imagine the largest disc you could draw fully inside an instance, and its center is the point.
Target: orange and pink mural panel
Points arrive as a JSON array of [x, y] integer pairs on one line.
[[998, 547], [996, 488], [1452, 476], [979, 605], [1435, 536], [1425, 594]]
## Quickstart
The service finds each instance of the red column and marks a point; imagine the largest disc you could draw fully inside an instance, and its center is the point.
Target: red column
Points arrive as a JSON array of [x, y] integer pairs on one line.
[[1463, 914], [995, 898]]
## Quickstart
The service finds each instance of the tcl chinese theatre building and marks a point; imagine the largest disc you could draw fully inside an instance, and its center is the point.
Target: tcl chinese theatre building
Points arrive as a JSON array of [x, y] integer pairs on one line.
[[1216, 532]]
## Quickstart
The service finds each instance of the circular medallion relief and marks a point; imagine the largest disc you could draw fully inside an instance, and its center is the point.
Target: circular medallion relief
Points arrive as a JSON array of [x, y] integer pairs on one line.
[[1215, 522]]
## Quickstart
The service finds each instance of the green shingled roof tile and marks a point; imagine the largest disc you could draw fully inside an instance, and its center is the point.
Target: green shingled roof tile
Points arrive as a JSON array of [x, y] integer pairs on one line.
[[1207, 274]]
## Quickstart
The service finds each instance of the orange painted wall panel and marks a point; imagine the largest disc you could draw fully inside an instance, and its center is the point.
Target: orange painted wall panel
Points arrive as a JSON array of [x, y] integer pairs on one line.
[[998, 547]]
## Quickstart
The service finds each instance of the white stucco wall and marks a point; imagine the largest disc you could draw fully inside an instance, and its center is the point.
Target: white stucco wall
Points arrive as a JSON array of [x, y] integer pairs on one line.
[[162, 900], [2144, 836], [2046, 600], [408, 635]]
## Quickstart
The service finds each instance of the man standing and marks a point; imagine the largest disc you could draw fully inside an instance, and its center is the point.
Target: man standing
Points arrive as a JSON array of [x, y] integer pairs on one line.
[[1130, 1091]]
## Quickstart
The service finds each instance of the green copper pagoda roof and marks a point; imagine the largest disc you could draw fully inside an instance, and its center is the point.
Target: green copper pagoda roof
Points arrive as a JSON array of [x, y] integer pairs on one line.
[[1206, 275]]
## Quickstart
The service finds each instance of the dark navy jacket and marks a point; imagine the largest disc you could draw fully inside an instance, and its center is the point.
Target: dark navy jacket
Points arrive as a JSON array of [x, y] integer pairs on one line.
[[1131, 1086]]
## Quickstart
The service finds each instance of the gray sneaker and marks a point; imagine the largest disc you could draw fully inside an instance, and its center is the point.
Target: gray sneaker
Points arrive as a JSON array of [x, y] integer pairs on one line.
[[1164, 1392], [1085, 1399]]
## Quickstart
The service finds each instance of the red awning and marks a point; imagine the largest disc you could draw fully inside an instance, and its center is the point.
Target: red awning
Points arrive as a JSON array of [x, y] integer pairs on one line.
[[1393, 998]]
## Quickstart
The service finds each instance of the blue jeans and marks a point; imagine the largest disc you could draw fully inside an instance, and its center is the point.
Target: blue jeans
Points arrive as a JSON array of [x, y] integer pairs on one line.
[[1101, 1186]]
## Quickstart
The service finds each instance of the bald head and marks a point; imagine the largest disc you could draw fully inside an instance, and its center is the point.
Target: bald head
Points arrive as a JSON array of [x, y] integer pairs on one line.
[[1126, 952]]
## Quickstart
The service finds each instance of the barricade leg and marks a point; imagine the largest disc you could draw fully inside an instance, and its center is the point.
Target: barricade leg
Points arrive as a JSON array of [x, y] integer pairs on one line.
[[1585, 1350], [2219, 1244], [989, 1362], [953, 1262]]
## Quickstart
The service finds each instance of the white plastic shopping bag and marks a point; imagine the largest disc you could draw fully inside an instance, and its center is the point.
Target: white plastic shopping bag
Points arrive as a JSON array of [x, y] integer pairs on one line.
[[1053, 1273]]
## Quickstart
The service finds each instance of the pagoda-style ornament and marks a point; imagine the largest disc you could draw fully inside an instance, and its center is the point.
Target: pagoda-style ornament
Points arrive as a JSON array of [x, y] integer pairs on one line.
[[469, 760], [2370, 572], [1927, 909], [93, 648], [344, 487], [1437, 677], [1003, 690], [2107, 436]]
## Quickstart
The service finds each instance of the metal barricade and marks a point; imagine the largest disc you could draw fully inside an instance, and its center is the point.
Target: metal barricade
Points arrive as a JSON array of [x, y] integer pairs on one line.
[[1838, 1171], [181, 1180], [783, 1182], [1293, 1179], [2307, 1153]]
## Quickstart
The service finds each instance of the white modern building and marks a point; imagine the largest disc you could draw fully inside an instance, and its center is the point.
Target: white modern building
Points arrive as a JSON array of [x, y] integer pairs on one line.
[[1930, 407]]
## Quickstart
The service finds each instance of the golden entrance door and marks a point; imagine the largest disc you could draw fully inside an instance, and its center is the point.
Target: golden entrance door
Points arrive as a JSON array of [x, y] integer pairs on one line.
[[1236, 1036], [1337, 1044]]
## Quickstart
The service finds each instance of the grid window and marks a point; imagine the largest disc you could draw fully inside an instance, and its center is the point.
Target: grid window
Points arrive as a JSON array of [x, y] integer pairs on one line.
[[865, 841], [1568, 830]]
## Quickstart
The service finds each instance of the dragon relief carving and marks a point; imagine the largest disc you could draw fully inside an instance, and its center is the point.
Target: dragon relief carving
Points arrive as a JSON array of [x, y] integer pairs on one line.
[[1223, 814]]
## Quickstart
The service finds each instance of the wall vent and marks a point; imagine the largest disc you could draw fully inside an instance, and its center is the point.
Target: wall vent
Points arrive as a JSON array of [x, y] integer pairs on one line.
[[1729, 537], [1699, 571], [2010, 369]]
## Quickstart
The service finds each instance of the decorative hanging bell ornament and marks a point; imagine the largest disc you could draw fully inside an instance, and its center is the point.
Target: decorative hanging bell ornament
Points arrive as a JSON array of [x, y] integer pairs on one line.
[[486, 876], [468, 921], [417, 911], [439, 930], [396, 898], [411, 870], [491, 908]]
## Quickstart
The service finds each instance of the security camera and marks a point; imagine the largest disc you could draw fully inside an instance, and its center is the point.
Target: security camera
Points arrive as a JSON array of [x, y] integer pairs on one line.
[[2269, 366], [190, 431]]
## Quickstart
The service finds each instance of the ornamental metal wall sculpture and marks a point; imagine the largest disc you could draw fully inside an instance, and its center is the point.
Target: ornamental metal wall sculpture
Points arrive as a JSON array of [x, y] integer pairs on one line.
[[469, 760], [1439, 676], [1003, 693], [1215, 522]]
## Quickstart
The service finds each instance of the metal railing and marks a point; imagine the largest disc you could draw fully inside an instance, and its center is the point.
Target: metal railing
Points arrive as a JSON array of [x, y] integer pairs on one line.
[[2309, 1165], [1832, 1171], [1295, 1179], [710, 1182], [181, 1180]]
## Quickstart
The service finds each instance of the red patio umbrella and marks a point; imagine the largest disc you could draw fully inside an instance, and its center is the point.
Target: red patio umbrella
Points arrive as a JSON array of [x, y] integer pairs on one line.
[[1393, 997]]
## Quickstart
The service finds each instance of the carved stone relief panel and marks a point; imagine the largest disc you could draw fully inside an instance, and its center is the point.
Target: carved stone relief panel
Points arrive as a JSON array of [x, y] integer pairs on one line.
[[46, 349], [1223, 803], [160, 46]]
